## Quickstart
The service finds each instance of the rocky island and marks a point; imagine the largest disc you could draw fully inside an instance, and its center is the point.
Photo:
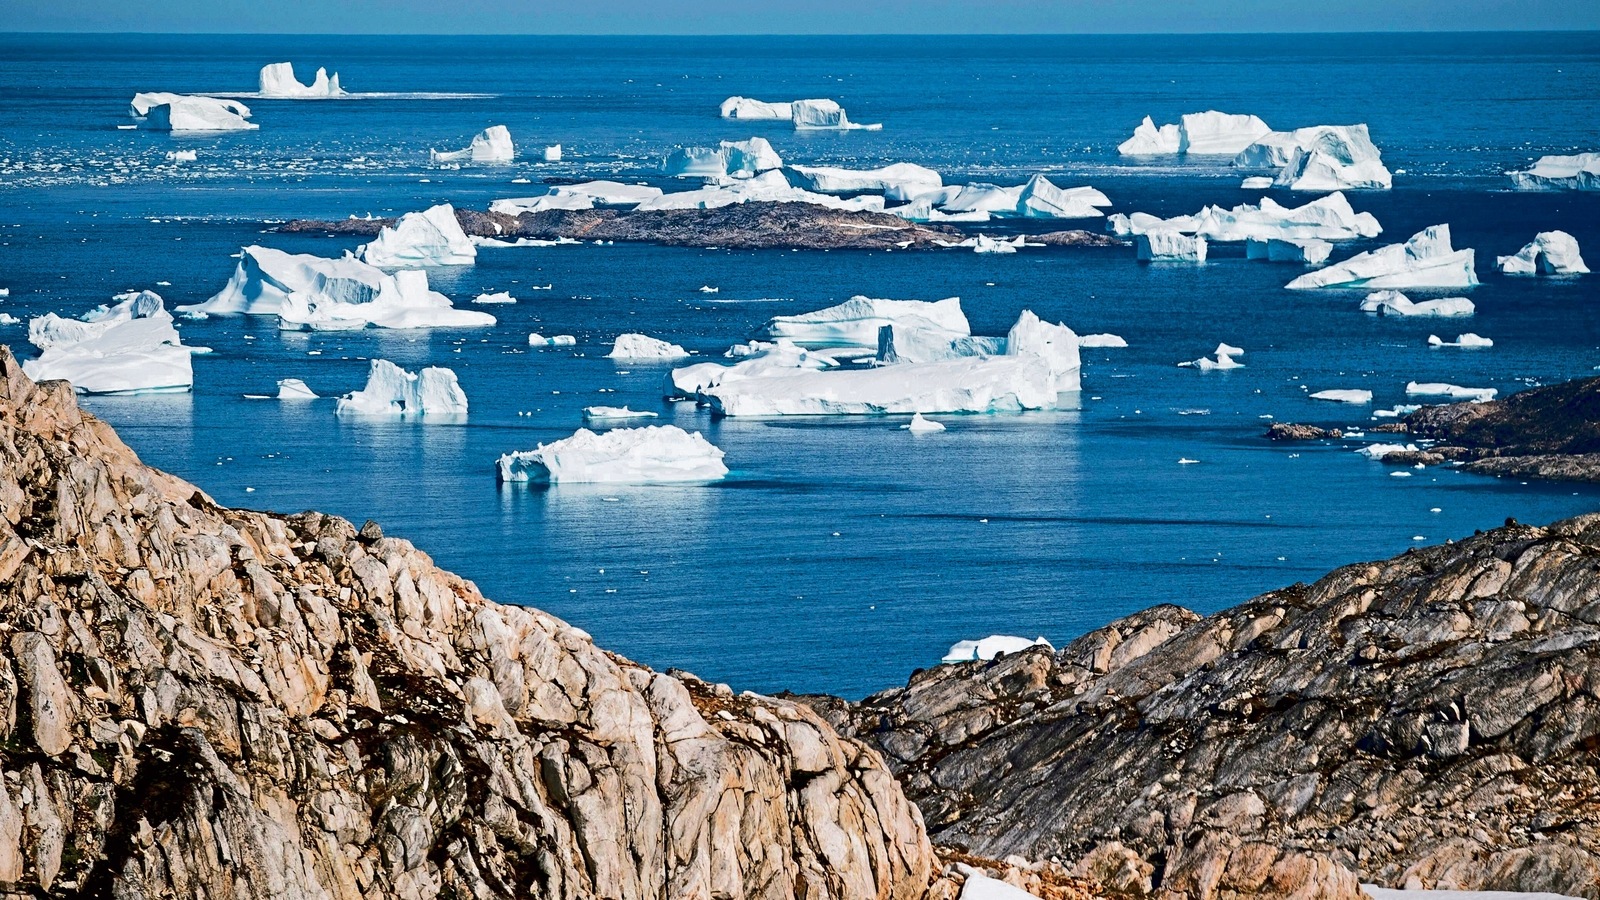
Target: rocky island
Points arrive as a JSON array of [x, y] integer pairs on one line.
[[1545, 432]]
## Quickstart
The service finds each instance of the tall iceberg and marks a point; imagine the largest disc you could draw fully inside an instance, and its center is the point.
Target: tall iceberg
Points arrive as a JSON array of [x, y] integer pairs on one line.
[[1549, 253], [1580, 172], [491, 145], [182, 113], [1165, 244], [1209, 133], [648, 455], [825, 115], [279, 82], [392, 391], [128, 347], [432, 237], [1426, 260], [1319, 158]]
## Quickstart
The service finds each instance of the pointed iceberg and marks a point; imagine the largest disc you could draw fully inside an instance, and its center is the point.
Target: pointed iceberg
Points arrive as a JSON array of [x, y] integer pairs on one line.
[[279, 82], [1549, 253], [1426, 260], [491, 145], [432, 237]]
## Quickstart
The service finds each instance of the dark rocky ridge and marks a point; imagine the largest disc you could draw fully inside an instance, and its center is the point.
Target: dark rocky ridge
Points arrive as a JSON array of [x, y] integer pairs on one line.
[[1550, 432], [744, 226]]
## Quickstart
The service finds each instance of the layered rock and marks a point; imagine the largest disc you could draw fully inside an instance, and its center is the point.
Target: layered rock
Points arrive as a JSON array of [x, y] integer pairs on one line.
[[204, 702], [1550, 432]]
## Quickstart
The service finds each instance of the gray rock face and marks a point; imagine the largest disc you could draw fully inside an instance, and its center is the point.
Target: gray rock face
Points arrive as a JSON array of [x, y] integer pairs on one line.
[[204, 702], [1429, 721]]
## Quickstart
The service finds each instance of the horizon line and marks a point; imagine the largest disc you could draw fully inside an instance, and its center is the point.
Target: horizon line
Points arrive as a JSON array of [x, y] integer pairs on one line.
[[800, 34]]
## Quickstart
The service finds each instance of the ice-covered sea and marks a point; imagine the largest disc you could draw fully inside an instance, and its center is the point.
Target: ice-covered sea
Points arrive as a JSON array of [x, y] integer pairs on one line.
[[840, 554]]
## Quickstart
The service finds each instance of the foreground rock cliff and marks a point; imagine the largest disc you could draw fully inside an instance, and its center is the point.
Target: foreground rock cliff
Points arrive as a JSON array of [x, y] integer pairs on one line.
[[1430, 721], [202, 702]]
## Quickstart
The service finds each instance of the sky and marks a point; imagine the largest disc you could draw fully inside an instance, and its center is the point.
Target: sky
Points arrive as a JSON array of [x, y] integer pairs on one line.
[[791, 16]]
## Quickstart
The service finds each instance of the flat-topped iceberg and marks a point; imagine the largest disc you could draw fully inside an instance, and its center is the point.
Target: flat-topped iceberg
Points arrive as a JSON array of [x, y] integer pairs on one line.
[[1580, 172], [127, 347], [393, 392], [857, 321], [494, 299], [279, 82], [1309, 252], [990, 647], [1087, 341], [1166, 244], [316, 293], [1343, 395], [491, 145], [1394, 303], [614, 413], [295, 389], [432, 237], [648, 455], [1209, 133], [1426, 260], [1319, 158], [768, 187], [824, 114], [746, 108], [642, 347], [913, 340], [1453, 391], [1329, 218], [900, 181], [586, 195], [729, 159], [183, 113], [1549, 253]]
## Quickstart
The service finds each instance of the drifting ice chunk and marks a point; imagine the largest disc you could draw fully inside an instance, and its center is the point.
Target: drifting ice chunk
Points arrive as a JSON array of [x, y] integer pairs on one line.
[[179, 112], [856, 322], [900, 181], [1394, 303], [559, 340], [178, 156], [1256, 183], [1377, 452], [1550, 253], [1148, 140], [1164, 244], [430, 238], [745, 108], [643, 347], [1453, 391], [1465, 341], [552, 153], [1557, 173], [499, 298], [990, 647], [392, 391], [824, 114], [919, 425], [729, 159], [129, 347], [1308, 252], [492, 145], [986, 244], [612, 413], [1224, 359], [295, 389], [1344, 396], [278, 82], [1426, 260], [654, 453], [1101, 340]]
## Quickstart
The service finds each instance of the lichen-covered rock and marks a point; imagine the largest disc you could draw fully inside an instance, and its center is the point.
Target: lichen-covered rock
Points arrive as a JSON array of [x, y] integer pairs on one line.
[[204, 702]]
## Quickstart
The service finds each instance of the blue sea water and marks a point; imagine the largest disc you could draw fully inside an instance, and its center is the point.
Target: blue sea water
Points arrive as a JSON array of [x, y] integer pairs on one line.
[[840, 554]]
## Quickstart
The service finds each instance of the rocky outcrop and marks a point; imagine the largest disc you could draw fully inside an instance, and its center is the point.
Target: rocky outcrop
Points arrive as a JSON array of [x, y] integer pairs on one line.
[[207, 702], [1293, 431], [1429, 721], [1548, 432]]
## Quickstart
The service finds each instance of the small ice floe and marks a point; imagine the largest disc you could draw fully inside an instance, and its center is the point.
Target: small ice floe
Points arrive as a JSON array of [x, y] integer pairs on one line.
[[1377, 452], [1224, 359], [1426, 260], [294, 389], [1465, 341], [552, 153], [1453, 391], [1344, 396], [559, 340], [501, 297], [1549, 253], [9, 319], [642, 348], [1399, 410], [647, 455], [614, 413], [1394, 303], [919, 425], [179, 156], [985, 244], [492, 145], [1256, 183], [1101, 340], [708, 289], [392, 391], [990, 647], [1402, 475], [1186, 461]]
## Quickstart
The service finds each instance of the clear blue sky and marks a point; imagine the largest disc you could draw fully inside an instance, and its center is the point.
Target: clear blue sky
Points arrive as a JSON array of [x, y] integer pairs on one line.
[[792, 17]]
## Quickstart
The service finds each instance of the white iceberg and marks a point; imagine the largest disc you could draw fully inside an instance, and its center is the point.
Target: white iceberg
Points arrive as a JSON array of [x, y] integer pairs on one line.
[[1319, 158], [1150, 140], [1465, 341], [552, 153], [1101, 340], [1560, 173], [1344, 396], [729, 159], [295, 389], [179, 156], [1038, 198], [919, 425], [1041, 199], [641, 347], [1549, 253], [857, 321], [501, 297], [183, 113], [990, 647], [1377, 452], [1309, 252], [824, 114], [1221, 360], [1325, 218], [128, 347], [1209, 133], [278, 82], [558, 340], [746, 108], [764, 360], [1426, 260], [986, 244], [768, 187], [316, 293], [1453, 391], [1165, 244], [491, 145], [1394, 303], [1256, 183], [613, 413], [900, 181], [651, 454], [430, 238], [392, 391], [918, 340]]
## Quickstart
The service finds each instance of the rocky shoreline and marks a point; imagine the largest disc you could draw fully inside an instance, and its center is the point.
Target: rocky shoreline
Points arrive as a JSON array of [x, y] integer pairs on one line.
[[744, 226], [1550, 432]]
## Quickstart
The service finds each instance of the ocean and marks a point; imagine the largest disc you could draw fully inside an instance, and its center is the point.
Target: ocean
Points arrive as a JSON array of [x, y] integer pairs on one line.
[[840, 554]]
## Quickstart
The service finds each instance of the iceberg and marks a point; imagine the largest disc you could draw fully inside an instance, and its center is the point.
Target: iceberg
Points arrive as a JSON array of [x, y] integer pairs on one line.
[[1426, 260], [179, 156], [1041, 199], [729, 159], [430, 238], [824, 114], [858, 321], [1150, 140], [552, 153], [768, 187], [315, 293], [491, 145], [1208, 133], [1223, 359], [278, 82], [1309, 252], [1549, 253], [919, 425], [1256, 183], [1101, 340], [1344, 396], [613, 413], [915, 341], [990, 647], [1376, 452], [1319, 158], [1560, 173], [1325, 218], [647, 455], [1038, 198], [1166, 244], [559, 340], [900, 181], [640, 347], [746, 108], [986, 244], [1394, 303], [516, 206], [502, 297], [295, 389], [183, 113], [1465, 341], [127, 347], [764, 360], [392, 391], [1453, 391]]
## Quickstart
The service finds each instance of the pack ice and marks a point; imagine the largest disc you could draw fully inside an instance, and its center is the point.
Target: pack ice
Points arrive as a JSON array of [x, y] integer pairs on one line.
[[279, 82], [393, 392], [1319, 158], [769, 187], [183, 113], [1426, 260], [857, 321], [990, 647], [587, 195], [315, 293], [127, 347], [1560, 173], [430, 238], [491, 145], [1549, 253], [647, 455], [643, 348], [1329, 218], [729, 159], [1209, 133], [1394, 303]]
